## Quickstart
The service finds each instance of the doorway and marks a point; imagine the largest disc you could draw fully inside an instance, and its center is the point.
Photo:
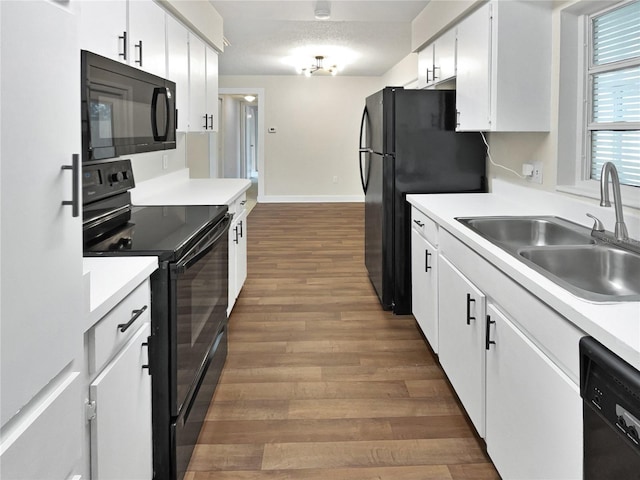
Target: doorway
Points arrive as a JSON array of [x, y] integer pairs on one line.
[[241, 146]]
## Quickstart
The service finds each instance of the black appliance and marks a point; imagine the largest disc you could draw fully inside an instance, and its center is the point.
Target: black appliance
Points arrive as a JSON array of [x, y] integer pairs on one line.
[[189, 297], [408, 144], [610, 389], [124, 109]]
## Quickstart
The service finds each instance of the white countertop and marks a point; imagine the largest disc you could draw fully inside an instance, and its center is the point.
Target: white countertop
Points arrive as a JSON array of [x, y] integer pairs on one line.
[[111, 279], [178, 189], [615, 325]]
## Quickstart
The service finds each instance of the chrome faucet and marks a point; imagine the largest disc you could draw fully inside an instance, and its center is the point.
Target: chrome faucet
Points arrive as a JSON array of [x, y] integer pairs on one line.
[[609, 172]]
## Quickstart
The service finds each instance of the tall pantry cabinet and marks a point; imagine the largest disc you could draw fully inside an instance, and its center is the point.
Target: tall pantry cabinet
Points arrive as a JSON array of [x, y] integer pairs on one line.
[[41, 251]]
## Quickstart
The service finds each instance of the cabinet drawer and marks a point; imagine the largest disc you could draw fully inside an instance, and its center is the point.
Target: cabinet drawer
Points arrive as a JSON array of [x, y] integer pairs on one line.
[[238, 205], [423, 224], [106, 337]]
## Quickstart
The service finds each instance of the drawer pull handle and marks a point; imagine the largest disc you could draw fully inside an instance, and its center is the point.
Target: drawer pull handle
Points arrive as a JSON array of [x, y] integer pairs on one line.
[[147, 366], [488, 341], [419, 223], [136, 313], [427, 267], [243, 202], [469, 302]]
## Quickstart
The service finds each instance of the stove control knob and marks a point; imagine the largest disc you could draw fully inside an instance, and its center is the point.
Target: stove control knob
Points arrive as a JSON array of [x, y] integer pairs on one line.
[[116, 177]]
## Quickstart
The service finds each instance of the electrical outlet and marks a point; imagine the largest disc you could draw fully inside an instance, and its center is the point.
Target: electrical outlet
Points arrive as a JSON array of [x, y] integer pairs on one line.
[[165, 162], [536, 176]]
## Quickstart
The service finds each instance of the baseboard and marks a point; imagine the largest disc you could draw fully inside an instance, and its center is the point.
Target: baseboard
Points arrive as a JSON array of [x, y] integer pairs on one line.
[[311, 199]]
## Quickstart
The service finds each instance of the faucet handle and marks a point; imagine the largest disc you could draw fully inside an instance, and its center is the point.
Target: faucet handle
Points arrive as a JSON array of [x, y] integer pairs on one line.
[[597, 224]]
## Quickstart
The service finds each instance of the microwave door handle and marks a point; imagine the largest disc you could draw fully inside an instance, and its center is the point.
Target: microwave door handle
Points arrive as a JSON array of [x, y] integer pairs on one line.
[[154, 114]]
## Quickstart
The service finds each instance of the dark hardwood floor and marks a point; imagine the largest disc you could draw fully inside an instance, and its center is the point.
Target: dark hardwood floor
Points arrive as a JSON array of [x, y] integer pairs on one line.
[[320, 382]]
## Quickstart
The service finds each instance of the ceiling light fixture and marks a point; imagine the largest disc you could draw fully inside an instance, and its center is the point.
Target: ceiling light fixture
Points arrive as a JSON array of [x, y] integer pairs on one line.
[[249, 98], [319, 67], [323, 10]]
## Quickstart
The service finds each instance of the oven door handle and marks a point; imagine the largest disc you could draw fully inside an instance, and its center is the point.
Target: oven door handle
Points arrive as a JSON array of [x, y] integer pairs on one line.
[[200, 249]]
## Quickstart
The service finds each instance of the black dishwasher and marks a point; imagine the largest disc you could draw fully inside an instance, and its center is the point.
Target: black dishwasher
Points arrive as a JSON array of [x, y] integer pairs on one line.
[[610, 389]]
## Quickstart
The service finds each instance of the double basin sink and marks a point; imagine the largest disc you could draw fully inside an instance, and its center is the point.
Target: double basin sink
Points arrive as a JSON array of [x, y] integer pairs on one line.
[[565, 253]]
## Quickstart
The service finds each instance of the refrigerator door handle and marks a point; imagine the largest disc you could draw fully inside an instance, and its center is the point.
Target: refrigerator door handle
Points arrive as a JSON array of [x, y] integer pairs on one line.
[[364, 150]]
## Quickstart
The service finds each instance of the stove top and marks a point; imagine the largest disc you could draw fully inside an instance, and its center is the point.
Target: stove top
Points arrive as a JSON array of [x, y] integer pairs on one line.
[[164, 231]]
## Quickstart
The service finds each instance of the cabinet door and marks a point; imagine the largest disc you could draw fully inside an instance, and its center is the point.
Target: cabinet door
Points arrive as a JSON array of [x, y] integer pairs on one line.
[[103, 28], [461, 338], [444, 56], [424, 287], [473, 81], [178, 68], [41, 242], [121, 429], [233, 249], [425, 66], [197, 85], [241, 253], [212, 89], [534, 411], [147, 37]]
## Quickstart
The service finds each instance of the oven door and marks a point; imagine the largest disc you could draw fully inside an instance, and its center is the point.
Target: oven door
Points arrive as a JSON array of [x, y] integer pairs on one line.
[[199, 286]]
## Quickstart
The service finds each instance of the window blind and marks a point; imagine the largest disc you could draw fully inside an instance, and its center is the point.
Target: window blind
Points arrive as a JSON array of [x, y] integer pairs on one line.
[[614, 77]]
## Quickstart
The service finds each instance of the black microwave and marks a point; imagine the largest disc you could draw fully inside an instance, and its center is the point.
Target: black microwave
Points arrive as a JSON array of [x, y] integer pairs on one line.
[[124, 110]]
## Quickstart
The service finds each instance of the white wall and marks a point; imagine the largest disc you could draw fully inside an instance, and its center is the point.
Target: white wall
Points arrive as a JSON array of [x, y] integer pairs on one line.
[[317, 121], [231, 137]]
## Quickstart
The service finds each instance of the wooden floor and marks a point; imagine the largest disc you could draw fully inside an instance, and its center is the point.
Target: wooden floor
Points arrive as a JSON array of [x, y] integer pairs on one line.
[[320, 382]]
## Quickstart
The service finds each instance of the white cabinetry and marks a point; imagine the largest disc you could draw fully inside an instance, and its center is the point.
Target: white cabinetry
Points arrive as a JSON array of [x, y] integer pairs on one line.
[[119, 390], [237, 249], [178, 68], [503, 76], [203, 86], [437, 61], [424, 276], [41, 279], [525, 393], [461, 340], [132, 32], [147, 37]]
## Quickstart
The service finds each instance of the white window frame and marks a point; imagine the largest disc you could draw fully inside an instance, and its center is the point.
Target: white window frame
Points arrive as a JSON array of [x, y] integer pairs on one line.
[[574, 162]]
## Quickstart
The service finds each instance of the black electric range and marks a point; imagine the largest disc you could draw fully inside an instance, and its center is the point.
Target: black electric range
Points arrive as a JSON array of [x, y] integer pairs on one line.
[[189, 296]]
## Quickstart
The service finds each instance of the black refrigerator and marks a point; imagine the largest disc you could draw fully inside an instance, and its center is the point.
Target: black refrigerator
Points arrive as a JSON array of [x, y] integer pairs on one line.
[[408, 144]]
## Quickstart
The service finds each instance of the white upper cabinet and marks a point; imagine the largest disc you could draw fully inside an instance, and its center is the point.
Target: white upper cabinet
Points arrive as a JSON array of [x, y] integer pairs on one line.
[[138, 41], [178, 68], [103, 28], [203, 86], [504, 68], [147, 37], [212, 88], [437, 61]]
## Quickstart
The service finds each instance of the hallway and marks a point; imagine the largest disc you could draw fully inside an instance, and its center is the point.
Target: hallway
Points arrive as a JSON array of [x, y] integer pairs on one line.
[[320, 383]]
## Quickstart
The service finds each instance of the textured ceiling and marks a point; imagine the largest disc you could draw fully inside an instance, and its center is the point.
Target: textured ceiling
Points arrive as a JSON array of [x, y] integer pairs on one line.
[[366, 38]]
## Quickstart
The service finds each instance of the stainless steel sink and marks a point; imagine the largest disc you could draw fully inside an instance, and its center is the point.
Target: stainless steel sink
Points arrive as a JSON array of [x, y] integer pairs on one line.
[[516, 232], [565, 253], [596, 272]]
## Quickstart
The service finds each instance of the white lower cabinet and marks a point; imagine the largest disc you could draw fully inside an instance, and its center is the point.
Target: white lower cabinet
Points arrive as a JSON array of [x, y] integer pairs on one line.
[[118, 405], [237, 249], [121, 429], [533, 410], [461, 339], [424, 286]]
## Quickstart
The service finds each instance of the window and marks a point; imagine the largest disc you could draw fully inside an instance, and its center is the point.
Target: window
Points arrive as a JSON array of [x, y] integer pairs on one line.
[[613, 74]]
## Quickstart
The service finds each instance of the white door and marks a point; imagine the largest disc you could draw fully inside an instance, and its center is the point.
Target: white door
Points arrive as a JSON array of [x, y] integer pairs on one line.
[[198, 120], [103, 28], [121, 431], [461, 338], [473, 80], [534, 411], [424, 287], [41, 242], [147, 37]]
